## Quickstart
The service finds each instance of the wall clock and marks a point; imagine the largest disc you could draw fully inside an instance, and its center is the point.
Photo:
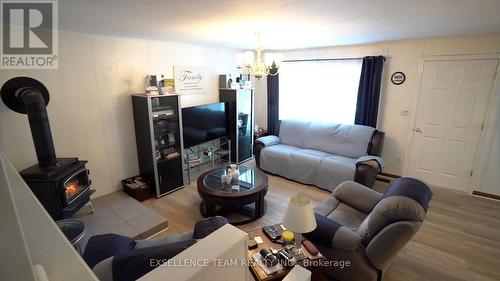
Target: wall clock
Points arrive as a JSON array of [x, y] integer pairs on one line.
[[398, 78]]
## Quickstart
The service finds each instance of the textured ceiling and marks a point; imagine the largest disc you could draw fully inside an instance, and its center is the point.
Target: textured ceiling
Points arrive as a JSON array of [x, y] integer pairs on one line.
[[285, 24]]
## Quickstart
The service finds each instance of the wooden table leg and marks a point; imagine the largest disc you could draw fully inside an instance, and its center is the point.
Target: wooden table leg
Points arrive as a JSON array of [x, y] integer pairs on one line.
[[260, 205], [210, 208]]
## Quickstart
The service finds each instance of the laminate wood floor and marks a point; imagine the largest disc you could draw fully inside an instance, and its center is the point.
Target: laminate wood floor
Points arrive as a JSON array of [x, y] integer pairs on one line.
[[459, 240]]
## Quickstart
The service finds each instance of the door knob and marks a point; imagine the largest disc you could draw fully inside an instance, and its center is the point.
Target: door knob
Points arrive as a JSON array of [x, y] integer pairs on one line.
[[417, 130]]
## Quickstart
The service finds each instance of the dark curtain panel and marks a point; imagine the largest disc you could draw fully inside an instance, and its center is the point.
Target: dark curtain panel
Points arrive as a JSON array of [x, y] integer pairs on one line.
[[273, 103], [369, 91]]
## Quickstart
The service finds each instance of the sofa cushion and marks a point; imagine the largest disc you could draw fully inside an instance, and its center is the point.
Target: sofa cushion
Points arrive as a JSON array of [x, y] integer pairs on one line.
[[313, 153], [307, 165], [339, 139], [332, 171], [304, 163], [292, 162], [275, 159], [293, 132]]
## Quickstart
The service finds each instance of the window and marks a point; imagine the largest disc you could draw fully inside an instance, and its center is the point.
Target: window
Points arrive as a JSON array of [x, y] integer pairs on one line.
[[323, 91]]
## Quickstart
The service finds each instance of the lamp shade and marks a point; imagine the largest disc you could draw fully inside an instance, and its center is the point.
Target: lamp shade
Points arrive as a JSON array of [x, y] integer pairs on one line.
[[299, 216]]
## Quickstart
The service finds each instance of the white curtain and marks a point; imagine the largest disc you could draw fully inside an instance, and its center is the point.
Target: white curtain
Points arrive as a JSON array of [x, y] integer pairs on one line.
[[323, 91]]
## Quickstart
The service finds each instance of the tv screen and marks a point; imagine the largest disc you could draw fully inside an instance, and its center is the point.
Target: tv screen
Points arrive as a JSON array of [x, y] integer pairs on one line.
[[203, 123]]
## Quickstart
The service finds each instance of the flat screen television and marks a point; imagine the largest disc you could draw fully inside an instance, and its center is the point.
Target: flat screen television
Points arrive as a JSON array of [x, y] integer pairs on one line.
[[203, 123]]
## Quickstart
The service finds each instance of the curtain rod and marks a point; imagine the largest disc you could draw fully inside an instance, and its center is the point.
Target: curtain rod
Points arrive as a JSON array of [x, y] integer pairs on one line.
[[331, 59]]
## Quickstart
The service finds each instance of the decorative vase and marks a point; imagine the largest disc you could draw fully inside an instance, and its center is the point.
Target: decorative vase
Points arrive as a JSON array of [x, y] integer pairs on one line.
[[233, 172]]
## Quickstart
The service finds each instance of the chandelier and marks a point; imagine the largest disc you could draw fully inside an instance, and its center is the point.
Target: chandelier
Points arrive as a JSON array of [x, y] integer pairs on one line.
[[257, 63]]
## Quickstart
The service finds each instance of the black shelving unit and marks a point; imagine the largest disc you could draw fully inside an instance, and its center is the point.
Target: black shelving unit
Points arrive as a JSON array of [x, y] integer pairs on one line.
[[240, 118], [158, 132]]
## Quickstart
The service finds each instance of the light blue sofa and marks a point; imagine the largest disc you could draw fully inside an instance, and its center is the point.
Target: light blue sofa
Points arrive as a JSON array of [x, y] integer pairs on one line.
[[322, 154]]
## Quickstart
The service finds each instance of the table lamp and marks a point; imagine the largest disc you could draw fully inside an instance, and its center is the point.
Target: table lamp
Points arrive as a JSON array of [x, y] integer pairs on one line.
[[299, 218]]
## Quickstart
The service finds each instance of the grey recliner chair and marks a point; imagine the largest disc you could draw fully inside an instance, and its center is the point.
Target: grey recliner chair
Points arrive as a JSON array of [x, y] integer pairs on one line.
[[368, 228]]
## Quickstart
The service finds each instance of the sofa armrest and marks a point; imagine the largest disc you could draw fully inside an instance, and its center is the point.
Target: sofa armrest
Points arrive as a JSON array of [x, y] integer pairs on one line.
[[367, 169], [262, 142], [365, 175], [268, 140], [370, 160], [376, 143], [331, 234], [357, 196]]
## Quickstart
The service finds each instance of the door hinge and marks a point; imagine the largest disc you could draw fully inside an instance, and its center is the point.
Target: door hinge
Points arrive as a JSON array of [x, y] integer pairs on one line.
[[471, 172]]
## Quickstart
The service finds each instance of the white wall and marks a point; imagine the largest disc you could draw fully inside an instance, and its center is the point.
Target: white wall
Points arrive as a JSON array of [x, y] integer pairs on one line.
[[90, 108], [402, 56]]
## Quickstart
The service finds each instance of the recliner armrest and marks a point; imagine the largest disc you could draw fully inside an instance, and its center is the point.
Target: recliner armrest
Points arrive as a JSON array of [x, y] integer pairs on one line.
[[357, 196], [268, 140], [331, 234], [145, 243]]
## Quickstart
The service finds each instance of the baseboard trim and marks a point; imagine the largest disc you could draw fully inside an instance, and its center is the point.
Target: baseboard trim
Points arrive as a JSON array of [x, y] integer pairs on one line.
[[487, 195], [383, 180], [386, 177], [389, 175]]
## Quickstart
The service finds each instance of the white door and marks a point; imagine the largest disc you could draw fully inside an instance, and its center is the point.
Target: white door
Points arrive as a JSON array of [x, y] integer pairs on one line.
[[451, 109]]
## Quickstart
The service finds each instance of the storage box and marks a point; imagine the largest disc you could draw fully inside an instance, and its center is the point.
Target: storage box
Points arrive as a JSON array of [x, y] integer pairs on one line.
[[137, 191]]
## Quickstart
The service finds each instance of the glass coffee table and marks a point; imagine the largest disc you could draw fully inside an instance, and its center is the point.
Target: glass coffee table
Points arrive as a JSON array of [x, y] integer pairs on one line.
[[244, 195]]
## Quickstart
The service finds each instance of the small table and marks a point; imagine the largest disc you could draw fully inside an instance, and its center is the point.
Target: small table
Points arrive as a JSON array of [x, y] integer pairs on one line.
[[252, 188], [259, 274]]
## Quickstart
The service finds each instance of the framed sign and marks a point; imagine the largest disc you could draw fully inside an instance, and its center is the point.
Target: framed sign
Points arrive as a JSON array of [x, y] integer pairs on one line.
[[189, 80], [398, 78]]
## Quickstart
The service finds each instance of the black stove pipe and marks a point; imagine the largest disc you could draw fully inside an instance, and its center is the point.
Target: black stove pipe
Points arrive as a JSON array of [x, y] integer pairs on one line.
[[26, 95], [39, 124]]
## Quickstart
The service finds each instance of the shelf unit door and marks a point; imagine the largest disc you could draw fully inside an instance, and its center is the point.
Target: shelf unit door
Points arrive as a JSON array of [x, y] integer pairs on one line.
[[244, 117], [167, 131], [240, 119]]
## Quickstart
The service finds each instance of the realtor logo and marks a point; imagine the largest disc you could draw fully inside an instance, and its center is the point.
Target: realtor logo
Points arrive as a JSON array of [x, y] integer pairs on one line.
[[29, 35]]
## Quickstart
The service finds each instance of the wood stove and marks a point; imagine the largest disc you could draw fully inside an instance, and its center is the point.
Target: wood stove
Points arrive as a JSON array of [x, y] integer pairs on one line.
[[63, 190], [62, 185]]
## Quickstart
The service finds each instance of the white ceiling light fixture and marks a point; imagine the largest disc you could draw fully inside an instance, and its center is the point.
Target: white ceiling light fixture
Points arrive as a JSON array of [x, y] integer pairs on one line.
[[257, 63]]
